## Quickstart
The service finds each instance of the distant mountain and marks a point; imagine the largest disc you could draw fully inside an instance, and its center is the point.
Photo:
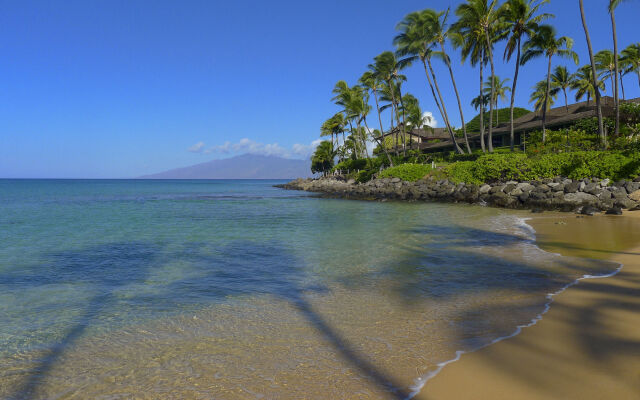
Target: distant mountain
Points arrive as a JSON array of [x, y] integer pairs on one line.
[[247, 166]]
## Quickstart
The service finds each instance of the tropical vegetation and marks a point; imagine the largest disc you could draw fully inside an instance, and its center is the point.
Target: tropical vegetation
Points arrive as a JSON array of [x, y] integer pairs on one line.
[[477, 30]]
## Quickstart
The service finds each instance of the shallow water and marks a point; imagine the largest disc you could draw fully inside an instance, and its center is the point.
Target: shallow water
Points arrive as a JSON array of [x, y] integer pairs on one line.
[[235, 289]]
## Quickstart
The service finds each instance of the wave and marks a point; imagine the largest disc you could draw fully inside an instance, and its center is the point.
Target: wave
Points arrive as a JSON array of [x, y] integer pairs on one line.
[[422, 381]]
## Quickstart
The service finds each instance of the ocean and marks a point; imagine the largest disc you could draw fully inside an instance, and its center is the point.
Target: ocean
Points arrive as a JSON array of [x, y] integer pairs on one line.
[[234, 289]]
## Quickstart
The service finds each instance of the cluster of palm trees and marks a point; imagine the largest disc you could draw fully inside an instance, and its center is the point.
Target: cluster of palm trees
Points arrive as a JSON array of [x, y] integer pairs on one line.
[[582, 81], [480, 26]]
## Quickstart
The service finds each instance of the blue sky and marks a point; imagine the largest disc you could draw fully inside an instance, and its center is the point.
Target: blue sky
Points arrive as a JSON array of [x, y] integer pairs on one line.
[[108, 88]]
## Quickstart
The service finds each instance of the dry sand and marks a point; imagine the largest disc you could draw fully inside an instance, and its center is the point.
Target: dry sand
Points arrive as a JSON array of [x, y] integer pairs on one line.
[[586, 347]]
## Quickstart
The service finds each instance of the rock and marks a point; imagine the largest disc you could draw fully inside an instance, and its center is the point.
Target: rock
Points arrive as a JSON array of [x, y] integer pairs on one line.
[[496, 189], [553, 184], [525, 186], [508, 187], [516, 192], [588, 210], [537, 210], [571, 187], [484, 189], [511, 183], [614, 211], [625, 203], [605, 182], [581, 186], [588, 188], [524, 197], [580, 198], [559, 187], [619, 194], [351, 181], [632, 186], [637, 179], [636, 208], [604, 195], [543, 188], [395, 180]]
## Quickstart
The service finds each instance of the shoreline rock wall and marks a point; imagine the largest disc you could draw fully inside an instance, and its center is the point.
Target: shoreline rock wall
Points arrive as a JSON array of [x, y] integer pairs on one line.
[[563, 194]]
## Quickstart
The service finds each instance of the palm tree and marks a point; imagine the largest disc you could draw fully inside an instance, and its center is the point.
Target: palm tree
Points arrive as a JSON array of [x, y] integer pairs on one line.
[[543, 97], [582, 83], [545, 43], [479, 102], [371, 82], [437, 24], [562, 79], [594, 75], [523, 21], [416, 41], [333, 126], [500, 90], [613, 4], [386, 67], [631, 57], [605, 65], [323, 158], [478, 21], [415, 117]]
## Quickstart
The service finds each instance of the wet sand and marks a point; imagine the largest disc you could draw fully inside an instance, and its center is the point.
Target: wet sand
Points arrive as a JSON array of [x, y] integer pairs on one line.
[[587, 346]]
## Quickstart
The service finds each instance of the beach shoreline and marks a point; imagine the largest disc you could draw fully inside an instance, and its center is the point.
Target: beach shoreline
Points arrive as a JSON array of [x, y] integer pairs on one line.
[[584, 345]]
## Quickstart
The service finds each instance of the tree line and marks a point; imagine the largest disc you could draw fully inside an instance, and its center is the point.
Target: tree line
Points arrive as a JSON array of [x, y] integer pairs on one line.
[[422, 39]]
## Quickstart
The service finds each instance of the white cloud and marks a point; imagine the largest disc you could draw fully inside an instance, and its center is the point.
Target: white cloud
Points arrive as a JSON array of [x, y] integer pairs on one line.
[[429, 120], [249, 146], [196, 148]]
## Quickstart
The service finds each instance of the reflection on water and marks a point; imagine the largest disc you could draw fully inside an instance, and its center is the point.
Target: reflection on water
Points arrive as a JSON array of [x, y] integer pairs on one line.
[[233, 290]]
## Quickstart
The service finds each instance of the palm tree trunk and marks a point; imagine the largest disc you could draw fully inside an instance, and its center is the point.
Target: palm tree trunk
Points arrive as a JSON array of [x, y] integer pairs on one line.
[[546, 100], [455, 89], [404, 126], [513, 97], [364, 139], [493, 88], [603, 138], [433, 92], [482, 103], [566, 102], [395, 107], [382, 144], [616, 95], [445, 116], [621, 86]]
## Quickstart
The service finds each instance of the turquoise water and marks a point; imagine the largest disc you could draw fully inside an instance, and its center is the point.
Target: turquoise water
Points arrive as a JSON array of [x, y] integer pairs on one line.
[[236, 289]]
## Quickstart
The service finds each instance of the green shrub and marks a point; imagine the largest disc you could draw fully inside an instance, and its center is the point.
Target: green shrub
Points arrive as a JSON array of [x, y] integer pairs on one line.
[[406, 172], [520, 167]]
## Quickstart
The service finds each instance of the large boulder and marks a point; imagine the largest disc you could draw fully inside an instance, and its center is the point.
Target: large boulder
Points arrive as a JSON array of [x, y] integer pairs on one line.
[[580, 198], [635, 195], [571, 187]]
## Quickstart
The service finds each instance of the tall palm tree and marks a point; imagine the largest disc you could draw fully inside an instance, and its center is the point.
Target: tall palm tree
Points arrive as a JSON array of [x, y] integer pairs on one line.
[[543, 97], [545, 43], [479, 19], [594, 75], [521, 17], [416, 41], [386, 67], [371, 82], [479, 102], [613, 4], [562, 79], [582, 82], [438, 25], [631, 57]]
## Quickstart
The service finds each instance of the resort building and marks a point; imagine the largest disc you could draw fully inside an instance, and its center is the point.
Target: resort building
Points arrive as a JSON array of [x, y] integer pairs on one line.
[[438, 139]]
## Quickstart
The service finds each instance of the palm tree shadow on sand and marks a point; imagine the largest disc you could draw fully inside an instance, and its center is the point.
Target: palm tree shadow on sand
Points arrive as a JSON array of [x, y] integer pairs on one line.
[[239, 268]]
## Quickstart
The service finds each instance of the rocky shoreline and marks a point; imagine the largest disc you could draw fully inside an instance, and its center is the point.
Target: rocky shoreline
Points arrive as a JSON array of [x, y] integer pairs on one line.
[[586, 196]]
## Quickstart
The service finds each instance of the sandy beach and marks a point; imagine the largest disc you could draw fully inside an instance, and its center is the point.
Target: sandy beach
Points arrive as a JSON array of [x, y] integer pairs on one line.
[[587, 346]]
